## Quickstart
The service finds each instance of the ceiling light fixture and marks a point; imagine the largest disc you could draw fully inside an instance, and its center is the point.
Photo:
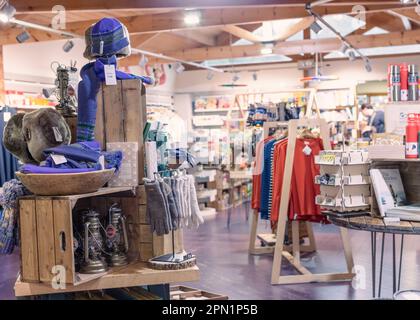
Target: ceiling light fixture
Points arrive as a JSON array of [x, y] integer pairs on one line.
[[267, 48], [354, 50], [143, 61], [7, 11], [344, 47], [179, 68], [368, 65], [192, 18], [68, 46], [23, 36], [210, 75], [352, 55], [315, 27]]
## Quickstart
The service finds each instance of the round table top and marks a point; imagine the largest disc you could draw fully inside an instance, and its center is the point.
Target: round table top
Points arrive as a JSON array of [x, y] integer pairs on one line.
[[374, 224]]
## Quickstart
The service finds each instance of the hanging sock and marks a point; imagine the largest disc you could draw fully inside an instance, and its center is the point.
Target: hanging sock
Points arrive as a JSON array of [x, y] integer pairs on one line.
[[195, 218]]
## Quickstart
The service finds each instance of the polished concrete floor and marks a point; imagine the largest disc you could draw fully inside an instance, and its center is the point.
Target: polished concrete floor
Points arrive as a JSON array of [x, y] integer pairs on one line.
[[221, 248]]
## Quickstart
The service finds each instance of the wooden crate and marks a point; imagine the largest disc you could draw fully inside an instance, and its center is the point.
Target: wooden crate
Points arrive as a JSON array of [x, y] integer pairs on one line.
[[186, 293], [46, 232], [121, 116]]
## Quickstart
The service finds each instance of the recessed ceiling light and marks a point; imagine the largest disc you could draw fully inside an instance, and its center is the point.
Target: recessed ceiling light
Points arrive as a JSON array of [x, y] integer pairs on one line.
[[192, 18], [267, 48]]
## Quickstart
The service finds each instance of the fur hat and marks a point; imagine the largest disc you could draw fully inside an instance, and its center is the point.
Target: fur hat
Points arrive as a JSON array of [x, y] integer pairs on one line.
[[26, 136], [105, 38]]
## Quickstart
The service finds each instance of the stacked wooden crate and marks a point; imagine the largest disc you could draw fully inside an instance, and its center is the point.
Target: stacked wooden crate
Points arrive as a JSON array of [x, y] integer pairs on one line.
[[46, 223]]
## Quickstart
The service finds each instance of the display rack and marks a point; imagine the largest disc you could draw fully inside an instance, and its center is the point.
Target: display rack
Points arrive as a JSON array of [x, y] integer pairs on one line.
[[280, 250], [46, 222]]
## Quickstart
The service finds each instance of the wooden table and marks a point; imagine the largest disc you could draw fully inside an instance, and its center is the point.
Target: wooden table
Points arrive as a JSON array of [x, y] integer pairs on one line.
[[377, 225]]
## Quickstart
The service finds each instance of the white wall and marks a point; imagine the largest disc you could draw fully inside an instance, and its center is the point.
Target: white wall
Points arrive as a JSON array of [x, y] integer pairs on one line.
[[286, 76]]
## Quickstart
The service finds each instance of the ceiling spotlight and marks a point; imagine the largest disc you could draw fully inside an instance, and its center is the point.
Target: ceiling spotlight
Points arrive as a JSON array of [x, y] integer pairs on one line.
[[48, 92], [267, 48], [315, 27], [255, 76], [368, 66], [23, 36], [7, 11], [68, 46], [344, 47], [210, 75], [143, 61], [192, 18], [352, 55], [179, 68], [406, 1], [235, 77]]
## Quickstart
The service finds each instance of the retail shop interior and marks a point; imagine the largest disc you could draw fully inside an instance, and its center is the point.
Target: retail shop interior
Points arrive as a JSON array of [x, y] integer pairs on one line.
[[176, 151]]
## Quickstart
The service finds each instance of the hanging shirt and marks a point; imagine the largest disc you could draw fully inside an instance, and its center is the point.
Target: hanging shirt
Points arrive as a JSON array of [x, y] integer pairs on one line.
[[279, 162], [304, 189], [257, 170], [265, 179]]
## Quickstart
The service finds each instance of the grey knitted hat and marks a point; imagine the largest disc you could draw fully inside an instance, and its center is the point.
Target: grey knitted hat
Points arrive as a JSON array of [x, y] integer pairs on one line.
[[26, 136]]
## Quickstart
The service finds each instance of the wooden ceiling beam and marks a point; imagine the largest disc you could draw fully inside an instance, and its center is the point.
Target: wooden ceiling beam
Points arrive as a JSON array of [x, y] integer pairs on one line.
[[139, 40], [410, 13], [197, 36], [83, 5], [173, 21], [291, 47], [224, 38], [241, 33]]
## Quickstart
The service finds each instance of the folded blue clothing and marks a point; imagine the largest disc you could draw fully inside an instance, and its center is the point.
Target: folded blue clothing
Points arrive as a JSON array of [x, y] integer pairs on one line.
[[31, 168], [79, 157]]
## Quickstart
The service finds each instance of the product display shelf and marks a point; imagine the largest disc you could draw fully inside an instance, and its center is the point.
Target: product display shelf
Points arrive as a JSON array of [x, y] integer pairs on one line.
[[134, 274]]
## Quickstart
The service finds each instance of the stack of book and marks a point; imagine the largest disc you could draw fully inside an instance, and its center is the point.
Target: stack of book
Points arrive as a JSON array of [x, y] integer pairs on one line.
[[390, 195]]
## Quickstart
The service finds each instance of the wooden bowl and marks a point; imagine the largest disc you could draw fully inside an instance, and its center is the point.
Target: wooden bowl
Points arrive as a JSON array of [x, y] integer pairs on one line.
[[65, 184]]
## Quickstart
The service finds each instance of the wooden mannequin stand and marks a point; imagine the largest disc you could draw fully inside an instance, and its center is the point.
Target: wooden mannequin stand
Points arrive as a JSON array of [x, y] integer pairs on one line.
[[280, 250]]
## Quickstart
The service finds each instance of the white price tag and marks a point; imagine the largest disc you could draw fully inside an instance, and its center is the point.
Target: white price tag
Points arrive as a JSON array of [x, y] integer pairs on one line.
[[307, 150], [110, 76], [57, 134], [58, 159], [102, 162], [6, 116]]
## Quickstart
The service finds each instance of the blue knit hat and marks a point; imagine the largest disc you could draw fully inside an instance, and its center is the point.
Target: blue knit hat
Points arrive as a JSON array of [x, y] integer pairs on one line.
[[105, 38]]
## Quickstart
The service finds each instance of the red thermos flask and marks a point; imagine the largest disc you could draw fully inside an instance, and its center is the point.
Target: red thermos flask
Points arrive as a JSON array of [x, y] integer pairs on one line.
[[411, 137]]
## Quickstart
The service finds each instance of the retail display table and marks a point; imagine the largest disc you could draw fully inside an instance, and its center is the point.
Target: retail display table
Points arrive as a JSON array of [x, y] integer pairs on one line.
[[377, 225], [135, 274]]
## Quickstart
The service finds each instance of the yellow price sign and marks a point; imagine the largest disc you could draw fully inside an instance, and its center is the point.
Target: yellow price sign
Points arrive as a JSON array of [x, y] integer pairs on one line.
[[327, 158]]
